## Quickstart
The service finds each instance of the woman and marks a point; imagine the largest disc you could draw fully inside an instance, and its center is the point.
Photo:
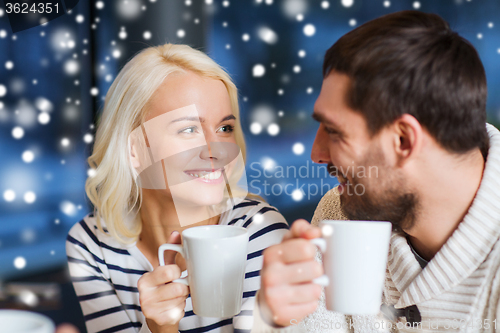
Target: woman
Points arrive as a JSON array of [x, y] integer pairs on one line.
[[140, 205]]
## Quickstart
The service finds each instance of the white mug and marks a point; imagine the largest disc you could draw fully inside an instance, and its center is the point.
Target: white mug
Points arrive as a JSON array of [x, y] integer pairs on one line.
[[354, 259], [21, 321], [216, 259]]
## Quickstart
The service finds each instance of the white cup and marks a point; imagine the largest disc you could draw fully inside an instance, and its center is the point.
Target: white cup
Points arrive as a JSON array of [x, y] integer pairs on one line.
[[20, 321], [354, 259], [216, 259]]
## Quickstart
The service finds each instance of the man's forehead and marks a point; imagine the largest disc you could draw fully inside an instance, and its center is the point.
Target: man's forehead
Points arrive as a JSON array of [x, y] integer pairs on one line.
[[331, 107]]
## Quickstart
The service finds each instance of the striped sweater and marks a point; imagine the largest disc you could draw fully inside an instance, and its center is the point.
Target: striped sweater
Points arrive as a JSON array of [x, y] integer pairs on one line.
[[457, 291], [105, 273]]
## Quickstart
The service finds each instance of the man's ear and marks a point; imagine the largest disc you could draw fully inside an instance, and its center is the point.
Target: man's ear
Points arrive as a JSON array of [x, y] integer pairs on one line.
[[408, 138]]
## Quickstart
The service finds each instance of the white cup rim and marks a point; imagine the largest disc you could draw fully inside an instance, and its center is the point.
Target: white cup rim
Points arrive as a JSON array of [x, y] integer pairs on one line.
[[188, 233], [357, 222], [44, 323]]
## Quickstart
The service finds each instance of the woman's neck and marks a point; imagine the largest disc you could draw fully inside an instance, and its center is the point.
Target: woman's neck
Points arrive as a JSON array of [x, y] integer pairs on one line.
[[159, 219]]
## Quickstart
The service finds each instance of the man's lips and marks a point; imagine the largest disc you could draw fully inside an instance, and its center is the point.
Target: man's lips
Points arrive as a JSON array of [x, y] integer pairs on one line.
[[334, 171]]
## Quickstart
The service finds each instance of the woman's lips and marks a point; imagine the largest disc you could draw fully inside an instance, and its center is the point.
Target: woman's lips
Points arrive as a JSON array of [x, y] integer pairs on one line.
[[206, 176]]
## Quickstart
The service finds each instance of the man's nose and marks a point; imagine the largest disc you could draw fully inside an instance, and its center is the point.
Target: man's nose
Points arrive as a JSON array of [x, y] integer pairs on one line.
[[320, 152]]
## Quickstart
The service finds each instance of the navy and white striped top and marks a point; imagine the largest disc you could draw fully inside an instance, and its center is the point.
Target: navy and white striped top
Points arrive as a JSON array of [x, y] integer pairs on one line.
[[105, 272]]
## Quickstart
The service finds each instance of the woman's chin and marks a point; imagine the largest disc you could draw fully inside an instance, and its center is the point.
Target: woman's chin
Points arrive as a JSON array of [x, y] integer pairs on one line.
[[199, 197]]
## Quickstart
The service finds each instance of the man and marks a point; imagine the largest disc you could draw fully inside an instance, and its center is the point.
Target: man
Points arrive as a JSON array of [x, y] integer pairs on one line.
[[407, 95]]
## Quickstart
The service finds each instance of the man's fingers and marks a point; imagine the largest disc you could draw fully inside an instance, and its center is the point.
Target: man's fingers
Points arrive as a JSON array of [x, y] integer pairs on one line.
[[66, 328], [296, 229], [294, 313], [277, 274], [293, 294], [291, 251], [302, 229]]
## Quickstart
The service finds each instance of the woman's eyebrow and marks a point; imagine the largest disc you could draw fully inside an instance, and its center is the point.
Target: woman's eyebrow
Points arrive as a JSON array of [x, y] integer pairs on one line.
[[230, 117], [200, 119], [187, 119]]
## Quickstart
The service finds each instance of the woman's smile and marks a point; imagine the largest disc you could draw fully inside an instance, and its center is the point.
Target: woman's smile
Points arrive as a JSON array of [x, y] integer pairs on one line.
[[208, 176]]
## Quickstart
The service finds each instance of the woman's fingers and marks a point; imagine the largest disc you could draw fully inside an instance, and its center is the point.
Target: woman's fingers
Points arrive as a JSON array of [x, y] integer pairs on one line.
[[169, 255], [159, 317], [171, 291], [165, 293], [163, 303], [159, 276]]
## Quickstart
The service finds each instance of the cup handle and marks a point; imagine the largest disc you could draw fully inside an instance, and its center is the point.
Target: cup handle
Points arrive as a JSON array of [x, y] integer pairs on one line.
[[321, 244], [173, 247]]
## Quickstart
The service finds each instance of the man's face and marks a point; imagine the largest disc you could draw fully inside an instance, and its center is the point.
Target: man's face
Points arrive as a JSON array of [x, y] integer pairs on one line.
[[371, 185]]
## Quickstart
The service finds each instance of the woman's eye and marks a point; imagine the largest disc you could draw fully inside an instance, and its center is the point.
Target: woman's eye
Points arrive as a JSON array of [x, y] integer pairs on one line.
[[188, 130], [227, 128]]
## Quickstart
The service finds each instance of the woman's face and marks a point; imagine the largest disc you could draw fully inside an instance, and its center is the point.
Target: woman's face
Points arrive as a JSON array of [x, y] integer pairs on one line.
[[189, 128]]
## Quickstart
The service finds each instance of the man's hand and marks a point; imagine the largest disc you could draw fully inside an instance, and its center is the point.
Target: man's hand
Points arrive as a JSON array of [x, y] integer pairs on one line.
[[286, 276], [66, 328]]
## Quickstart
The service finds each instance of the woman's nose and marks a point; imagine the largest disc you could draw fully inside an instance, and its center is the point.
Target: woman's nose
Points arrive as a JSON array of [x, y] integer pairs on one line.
[[215, 150], [220, 154]]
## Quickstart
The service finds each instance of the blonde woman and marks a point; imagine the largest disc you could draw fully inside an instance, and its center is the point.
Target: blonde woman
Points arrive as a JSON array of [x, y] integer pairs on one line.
[[113, 252]]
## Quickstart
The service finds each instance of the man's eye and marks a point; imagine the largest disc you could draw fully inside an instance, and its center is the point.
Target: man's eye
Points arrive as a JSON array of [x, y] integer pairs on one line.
[[331, 131], [227, 128]]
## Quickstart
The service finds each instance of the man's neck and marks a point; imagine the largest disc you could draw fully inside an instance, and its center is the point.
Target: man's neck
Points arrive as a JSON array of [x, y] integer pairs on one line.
[[450, 187]]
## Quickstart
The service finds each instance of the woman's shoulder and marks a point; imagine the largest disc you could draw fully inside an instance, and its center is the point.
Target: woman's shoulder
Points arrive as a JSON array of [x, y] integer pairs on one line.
[[254, 212], [87, 226], [86, 233]]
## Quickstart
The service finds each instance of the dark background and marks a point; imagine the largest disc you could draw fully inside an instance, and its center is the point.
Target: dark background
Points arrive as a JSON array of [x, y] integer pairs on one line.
[[46, 78]]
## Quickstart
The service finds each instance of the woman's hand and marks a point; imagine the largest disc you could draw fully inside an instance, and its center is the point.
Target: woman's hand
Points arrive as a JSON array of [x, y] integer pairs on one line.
[[287, 291], [162, 301]]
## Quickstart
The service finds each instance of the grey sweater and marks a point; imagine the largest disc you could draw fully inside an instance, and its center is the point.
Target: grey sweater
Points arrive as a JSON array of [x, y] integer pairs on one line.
[[457, 291]]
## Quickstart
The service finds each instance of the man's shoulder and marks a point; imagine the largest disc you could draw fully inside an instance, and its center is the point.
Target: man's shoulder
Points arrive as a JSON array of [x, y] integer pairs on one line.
[[329, 208]]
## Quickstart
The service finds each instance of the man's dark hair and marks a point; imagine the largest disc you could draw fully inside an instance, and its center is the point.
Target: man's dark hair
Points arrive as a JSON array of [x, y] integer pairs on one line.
[[411, 62]]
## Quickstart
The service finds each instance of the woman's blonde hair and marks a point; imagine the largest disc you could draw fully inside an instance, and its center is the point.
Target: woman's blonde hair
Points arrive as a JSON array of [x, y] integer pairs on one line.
[[113, 190]]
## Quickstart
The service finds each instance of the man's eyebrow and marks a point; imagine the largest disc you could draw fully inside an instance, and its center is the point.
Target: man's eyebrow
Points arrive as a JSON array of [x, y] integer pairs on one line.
[[320, 118]]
